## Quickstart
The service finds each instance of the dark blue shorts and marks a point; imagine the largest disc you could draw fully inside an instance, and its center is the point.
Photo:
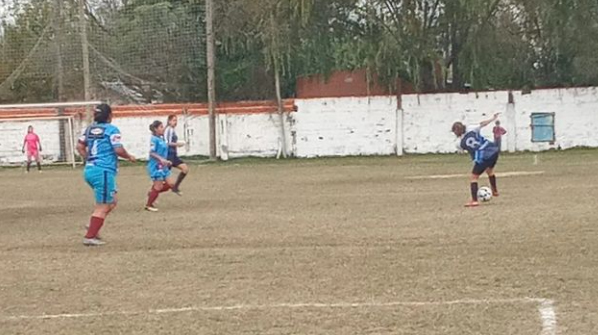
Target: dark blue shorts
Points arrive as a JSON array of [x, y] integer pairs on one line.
[[490, 163], [174, 158]]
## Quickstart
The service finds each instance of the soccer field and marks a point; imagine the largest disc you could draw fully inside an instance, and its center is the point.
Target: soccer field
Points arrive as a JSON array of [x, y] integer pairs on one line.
[[329, 246]]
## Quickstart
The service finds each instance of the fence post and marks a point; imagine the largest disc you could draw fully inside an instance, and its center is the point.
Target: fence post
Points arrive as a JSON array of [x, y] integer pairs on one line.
[[511, 124]]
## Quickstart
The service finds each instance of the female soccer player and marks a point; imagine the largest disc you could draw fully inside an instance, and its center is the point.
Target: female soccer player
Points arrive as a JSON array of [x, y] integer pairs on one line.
[[158, 166], [34, 146], [100, 147], [483, 153], [172, 140]]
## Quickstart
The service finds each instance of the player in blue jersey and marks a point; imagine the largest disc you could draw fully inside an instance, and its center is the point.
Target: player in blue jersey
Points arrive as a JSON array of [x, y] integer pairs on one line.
[[483, 153], [100, 147], [172, 139], [158, 166]]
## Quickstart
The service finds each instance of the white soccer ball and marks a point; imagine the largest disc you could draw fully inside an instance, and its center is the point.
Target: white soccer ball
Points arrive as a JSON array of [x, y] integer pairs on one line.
[[485, 194]]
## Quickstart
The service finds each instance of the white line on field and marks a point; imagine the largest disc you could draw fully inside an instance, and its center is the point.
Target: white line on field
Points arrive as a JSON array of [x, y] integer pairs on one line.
[[545, 308], [548, 316], [452, 176]]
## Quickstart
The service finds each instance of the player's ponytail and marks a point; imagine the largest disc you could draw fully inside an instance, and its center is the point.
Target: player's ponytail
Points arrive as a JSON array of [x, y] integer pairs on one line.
[[155, 125], [102, 113]]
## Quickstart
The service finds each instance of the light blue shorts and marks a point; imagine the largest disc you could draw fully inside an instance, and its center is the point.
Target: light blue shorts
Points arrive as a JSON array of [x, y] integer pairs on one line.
[[103, 183], [158, 174]]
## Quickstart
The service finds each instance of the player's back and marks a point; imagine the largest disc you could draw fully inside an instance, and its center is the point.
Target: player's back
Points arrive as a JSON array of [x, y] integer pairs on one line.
[[101, 138], [477, 145]]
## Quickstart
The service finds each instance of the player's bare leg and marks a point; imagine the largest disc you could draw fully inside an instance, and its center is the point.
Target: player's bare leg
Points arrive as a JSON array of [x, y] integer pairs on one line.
[[474, 191], [184, 171], [28, 163], [492, 178], [39, 162]]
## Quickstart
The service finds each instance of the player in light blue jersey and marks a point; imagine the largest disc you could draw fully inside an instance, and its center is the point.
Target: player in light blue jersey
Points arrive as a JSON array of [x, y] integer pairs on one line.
[[158, 166], [483, 153], [100, 147]]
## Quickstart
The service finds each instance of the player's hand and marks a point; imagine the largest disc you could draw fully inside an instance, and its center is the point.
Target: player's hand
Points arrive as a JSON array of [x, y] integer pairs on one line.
[[168, 163], [496, 115], [23, 150], [181, 144], [132, 159]]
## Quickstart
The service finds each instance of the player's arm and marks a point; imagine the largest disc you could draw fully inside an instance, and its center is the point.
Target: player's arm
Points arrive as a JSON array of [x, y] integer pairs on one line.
[[82, 145], [39, 143], [160, 159], [118, 147], [122, 153], [82, 149], [487, 122], [24, 143]]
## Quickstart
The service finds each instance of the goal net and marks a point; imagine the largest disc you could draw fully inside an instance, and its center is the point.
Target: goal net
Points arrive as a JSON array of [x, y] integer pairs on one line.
[[57, 126]]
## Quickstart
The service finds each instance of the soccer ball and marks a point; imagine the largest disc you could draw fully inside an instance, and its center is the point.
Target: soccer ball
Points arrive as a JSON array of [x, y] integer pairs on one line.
[[485, 194]]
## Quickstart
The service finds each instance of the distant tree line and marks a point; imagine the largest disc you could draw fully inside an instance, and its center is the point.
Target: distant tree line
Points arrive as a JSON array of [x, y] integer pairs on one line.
[[144, 50]]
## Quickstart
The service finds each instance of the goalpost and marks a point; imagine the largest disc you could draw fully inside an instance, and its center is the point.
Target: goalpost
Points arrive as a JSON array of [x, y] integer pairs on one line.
[[56, 124]]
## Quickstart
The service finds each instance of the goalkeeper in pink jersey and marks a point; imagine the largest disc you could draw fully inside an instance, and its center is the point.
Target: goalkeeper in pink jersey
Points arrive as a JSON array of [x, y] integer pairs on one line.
[[33, 146]]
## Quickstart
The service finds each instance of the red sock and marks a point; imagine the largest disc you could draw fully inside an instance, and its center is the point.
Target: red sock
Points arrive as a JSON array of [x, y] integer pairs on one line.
[[153, 195], [95, 224], [165, 188]]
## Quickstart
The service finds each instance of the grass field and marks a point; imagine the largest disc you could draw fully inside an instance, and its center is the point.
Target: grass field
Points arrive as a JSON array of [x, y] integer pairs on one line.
[[331, 246]]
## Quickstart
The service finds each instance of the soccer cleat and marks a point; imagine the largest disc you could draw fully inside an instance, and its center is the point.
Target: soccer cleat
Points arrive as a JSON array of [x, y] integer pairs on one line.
[[177, 192], [472, 204], [155, 202], [87, 228], [151, 209], [93, 242]]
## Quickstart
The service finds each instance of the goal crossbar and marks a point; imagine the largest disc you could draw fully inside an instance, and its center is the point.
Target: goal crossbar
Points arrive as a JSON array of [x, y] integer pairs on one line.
[[51, 105]]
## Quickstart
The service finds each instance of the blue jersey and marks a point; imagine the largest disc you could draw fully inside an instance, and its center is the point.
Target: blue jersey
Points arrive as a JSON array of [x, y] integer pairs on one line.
[[101, 140], [478, 147], [159, 147], [171, 138]]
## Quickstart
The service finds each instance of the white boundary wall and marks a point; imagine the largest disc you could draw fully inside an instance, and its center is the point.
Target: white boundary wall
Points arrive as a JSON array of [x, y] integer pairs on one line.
[[367, 126]]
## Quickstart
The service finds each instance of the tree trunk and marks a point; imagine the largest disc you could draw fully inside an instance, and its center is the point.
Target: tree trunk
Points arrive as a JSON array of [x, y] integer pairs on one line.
[[85, 53], [211, 60], [283, 132], [59, 79], [58, 39]]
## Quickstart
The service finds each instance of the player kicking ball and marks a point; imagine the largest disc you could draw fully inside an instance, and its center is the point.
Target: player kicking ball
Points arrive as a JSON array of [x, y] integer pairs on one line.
[[483, 153], [158, 166]]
